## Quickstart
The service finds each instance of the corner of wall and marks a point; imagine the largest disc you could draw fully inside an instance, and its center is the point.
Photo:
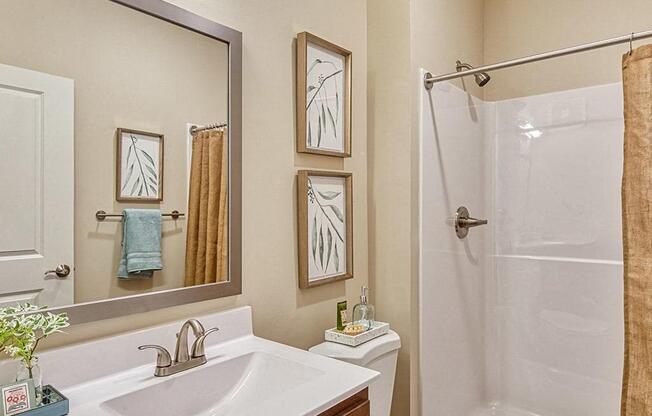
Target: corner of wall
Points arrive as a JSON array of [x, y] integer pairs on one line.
[[389, 156]]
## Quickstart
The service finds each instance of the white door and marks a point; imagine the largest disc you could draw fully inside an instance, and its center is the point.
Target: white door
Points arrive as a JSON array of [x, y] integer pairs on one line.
[[36, 187]]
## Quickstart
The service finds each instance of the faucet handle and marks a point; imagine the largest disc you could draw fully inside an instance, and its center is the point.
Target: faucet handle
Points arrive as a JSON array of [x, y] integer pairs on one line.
[[198, 345], [163, 358]]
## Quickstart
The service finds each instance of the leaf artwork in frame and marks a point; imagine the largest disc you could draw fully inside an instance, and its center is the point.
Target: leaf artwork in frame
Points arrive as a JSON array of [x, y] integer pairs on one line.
[[327, 242], [139, 166], [324, 86]]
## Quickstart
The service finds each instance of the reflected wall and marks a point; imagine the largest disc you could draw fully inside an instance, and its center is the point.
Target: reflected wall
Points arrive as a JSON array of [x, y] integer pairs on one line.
[[131, 71]]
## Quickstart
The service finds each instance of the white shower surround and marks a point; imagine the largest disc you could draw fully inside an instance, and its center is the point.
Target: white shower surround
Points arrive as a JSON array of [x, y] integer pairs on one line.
[[525, 316]]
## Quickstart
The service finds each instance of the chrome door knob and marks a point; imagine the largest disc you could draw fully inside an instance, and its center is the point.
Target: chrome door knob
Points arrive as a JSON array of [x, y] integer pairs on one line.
[[62, 270]]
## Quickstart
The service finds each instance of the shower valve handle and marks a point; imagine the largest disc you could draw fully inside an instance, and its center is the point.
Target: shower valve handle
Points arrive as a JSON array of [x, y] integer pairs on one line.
[[471, 222], [463, 221]]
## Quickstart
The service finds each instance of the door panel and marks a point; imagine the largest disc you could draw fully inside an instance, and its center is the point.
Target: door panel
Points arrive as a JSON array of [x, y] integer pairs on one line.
[[36, 167], [21, 146]]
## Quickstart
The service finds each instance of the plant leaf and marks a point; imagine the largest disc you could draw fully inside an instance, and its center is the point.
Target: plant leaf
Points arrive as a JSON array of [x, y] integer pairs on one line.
[[337, 259], [337, 105], [329, 243], [129, 152], [140, 191], [313, 244], [323, 116], [131, 170], [151, 187], [149, 158], [337, 212], [312, 66], [311, 87], [309, 132], [319, 132], [328, 195], [330, 116], [134, 186], [321, 247], [151, 170]]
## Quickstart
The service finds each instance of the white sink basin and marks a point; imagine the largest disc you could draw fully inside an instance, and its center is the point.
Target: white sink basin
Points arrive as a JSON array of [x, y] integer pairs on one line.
[[224, 388], [245, 375]]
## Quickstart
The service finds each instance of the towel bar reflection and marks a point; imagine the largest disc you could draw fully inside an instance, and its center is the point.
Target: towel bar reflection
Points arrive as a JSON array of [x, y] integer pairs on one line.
[[102, 215]]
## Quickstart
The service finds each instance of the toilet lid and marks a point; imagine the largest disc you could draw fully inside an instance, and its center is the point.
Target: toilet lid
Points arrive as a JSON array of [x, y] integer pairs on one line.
[[362, 354]]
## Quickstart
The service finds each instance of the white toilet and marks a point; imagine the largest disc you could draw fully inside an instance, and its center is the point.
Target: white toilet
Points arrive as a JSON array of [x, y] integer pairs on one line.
[[379, 354]]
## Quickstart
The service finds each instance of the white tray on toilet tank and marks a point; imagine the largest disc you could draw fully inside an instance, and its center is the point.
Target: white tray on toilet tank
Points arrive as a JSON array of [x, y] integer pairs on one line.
[[378, 329]]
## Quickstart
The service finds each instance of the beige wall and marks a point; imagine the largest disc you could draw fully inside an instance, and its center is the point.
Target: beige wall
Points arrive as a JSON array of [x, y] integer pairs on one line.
[[444, 31], [282, 312], [404, 36], [389, 177], [130, 71], [514, 28]]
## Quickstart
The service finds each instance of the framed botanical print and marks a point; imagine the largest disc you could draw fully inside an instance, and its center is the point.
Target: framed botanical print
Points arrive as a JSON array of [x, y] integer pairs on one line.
[[325, 208], [323, 97], [139, 167]]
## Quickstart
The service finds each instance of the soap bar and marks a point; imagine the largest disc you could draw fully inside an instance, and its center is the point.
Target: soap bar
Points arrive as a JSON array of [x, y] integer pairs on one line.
[[354, 329]]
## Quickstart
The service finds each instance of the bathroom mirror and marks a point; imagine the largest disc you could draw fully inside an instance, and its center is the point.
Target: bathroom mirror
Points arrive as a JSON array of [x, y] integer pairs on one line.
[[107, 106]]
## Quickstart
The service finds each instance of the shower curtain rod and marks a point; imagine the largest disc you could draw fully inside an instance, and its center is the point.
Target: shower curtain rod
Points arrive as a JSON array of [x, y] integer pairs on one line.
[[196, 129], [429, 80]]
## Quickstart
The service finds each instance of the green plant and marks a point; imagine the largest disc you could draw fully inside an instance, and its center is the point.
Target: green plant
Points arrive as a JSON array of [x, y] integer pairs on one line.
[[22, 328]]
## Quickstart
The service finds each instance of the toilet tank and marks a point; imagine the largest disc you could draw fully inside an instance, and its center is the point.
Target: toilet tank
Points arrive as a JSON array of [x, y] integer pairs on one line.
[[379, 354]]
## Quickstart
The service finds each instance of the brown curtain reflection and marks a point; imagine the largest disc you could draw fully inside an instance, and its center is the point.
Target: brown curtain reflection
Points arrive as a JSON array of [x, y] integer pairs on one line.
[[207, 240], [637, 232]]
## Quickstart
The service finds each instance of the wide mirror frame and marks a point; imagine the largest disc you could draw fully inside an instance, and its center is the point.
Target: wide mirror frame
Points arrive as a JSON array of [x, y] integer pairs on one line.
[[128, 305]]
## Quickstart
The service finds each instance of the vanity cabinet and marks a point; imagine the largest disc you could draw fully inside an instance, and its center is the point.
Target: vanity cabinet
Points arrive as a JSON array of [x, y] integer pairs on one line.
[[356, 405]]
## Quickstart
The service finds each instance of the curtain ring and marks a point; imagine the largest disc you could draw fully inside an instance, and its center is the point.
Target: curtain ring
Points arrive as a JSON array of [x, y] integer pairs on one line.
[[631, 39]]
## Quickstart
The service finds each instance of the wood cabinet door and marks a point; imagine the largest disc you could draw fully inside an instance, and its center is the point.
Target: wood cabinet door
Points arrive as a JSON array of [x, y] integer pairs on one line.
[[361, 410], [356, 405]]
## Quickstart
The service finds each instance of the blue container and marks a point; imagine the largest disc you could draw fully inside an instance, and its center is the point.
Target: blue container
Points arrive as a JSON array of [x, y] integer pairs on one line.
[[53, 404]]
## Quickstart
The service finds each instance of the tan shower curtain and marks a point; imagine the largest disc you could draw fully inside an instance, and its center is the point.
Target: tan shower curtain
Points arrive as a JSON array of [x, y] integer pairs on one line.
[[207, 240], [637, 232]]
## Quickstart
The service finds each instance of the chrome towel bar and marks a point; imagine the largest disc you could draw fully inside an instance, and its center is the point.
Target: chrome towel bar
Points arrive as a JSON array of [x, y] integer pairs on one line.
[[102, 215]]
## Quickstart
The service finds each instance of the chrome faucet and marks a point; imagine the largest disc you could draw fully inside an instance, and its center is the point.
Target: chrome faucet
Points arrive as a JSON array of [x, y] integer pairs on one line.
[[166, 366]]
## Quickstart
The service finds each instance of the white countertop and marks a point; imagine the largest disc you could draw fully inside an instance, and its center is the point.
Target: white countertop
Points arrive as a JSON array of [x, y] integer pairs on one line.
[[90, 374]]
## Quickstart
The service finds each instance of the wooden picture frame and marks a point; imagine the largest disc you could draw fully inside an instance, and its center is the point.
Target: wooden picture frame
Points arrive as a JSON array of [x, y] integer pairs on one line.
[[323, 97], [325, 226], [139, 166]]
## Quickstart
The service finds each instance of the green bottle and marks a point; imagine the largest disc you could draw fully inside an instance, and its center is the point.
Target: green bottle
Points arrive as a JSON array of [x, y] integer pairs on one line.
[[341, 315]]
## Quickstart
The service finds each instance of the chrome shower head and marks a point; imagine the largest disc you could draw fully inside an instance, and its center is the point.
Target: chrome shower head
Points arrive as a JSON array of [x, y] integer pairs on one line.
[[481, 78]]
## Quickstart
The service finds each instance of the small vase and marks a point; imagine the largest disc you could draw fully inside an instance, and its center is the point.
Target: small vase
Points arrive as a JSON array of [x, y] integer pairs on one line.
[[33, 371]]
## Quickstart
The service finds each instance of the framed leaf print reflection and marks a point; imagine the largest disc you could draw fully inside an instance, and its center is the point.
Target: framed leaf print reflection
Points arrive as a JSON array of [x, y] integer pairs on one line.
[[325, 227], [323, 97], [139, 169]]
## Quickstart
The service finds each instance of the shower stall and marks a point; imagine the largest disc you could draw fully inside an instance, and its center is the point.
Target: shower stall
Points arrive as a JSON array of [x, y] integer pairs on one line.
[[523, 315]]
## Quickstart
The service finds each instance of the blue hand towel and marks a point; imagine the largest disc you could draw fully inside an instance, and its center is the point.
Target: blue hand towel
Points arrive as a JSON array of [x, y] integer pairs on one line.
[[141, 243]]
